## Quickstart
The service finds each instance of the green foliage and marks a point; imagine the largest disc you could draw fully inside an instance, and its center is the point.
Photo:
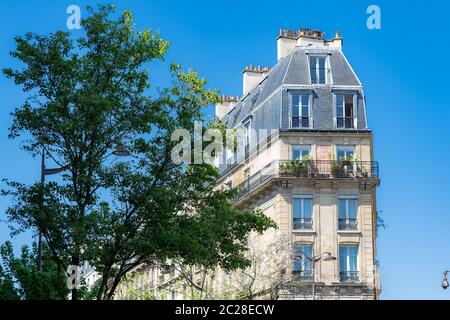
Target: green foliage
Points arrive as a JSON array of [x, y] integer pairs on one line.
[[27, 282], [299, 168], [346, 161], [87, 96], [7, 289], [337, 170]]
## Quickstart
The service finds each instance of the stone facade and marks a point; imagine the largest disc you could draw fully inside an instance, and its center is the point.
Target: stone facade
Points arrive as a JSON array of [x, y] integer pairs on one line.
[[263, 181]]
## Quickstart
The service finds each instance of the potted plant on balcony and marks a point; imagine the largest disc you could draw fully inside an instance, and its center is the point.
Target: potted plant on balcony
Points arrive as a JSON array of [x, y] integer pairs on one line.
[[346, 161], [300, 168], [337, 169], [285, 168]]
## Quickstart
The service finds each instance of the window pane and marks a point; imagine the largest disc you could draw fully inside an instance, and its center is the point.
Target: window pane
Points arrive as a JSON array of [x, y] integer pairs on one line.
[[295, 122], [349, 109], [305, 152], [305, 123], [353, 257], [305, 111], [296, 204], [322, 63], [344, 152], [295, 100], [340, 154], [307, 208], [313, 69], [322, 76], [352, 208], [339, 111], [340, 122], [342, 258], [308, 250], [296, 153], [349, 100], [305, 100], [349, 123], [340, 101], [342, 209], [303, 251], [295, 106]]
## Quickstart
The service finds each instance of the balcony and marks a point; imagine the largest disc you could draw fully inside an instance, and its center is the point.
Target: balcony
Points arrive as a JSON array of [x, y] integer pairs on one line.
[[303, 223], [349, 276], [348, 224], [308, 169], [303, 275]]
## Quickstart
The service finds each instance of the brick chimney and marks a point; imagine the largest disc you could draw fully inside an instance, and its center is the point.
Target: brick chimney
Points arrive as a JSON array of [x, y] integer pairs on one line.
[[252, 77], [289, 39], [225, 105]]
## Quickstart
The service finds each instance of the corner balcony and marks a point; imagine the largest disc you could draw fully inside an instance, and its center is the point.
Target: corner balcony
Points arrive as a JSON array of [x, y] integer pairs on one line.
[[307, 169]]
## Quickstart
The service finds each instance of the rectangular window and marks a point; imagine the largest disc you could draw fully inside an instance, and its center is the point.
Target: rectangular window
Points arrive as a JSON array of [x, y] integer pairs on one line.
[[302, 213], [344, 111], [247, 133], [348, 214], [318, 70], [300, 114], [300, 152], [345, 152], [302, 264], [348, 263], [345, 156]]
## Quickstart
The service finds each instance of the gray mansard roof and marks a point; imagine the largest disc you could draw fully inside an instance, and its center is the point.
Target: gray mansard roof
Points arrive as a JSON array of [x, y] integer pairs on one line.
[[268, 104]]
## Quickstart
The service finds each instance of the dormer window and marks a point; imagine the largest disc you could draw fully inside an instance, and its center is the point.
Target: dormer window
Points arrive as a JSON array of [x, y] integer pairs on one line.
[[318, 70], [300, 111], [345, 112]]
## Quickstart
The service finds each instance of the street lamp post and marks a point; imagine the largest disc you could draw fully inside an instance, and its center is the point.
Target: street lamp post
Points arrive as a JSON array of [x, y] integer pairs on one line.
[[445, 281], [327, 256], [45, 172], [119, 151]]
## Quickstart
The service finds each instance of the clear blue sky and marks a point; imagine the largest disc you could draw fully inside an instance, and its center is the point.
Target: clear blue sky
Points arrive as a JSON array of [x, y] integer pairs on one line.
[[404, 68]]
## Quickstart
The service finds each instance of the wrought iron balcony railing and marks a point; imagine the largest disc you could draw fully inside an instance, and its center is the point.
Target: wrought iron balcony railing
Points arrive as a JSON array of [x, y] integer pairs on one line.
[[303, 223], [317, 169], [349, 276], [348, 224], [303, 275]]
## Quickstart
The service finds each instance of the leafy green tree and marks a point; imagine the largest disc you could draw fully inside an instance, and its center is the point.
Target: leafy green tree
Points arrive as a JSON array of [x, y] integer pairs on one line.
[[87, 99], [27, 281], [7, 289]]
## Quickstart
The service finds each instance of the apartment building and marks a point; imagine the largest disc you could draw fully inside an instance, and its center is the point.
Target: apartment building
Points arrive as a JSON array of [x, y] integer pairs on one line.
[[308, 164]]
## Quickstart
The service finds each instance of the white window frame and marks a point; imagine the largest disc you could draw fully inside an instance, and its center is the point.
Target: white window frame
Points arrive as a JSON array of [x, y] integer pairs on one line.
[[300, 106], [354, 110], [317, 68], [247, 128], [302, 211], [303, 262], [345, 149], [300, 147], [347, 198], [348, 257]]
